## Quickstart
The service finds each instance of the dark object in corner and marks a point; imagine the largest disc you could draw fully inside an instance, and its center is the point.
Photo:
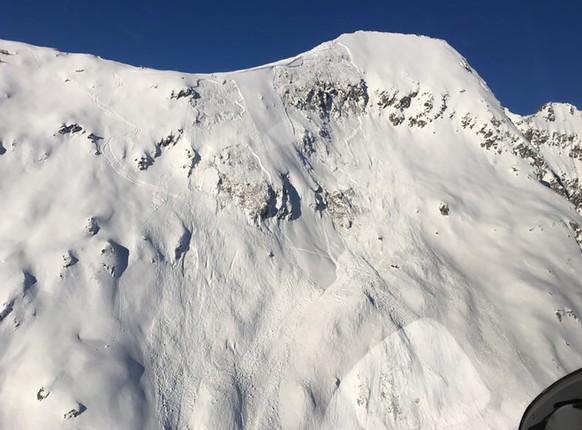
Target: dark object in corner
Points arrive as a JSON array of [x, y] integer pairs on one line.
[[558, 407]]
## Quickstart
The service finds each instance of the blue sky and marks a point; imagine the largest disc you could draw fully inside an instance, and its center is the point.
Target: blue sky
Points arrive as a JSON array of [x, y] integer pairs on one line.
[[528, 52]]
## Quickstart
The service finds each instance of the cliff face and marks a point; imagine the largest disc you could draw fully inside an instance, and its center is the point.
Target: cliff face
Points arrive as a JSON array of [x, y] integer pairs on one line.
[[357, 237]]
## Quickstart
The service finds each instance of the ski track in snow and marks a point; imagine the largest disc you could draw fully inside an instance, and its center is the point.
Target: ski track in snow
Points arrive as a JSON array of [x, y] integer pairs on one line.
[[265, 171], [350, 56], [107, 151]]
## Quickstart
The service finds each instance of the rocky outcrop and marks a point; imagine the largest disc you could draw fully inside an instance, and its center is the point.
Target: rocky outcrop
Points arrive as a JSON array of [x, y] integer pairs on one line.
[[555, 135]]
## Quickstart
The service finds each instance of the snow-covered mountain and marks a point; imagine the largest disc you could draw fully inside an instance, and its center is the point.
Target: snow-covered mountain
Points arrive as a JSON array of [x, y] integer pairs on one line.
[[358, 237]]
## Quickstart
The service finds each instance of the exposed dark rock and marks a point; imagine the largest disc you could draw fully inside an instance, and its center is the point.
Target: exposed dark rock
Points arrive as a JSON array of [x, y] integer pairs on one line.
[[398, 107], [183, 244], [386, 99], [577, 231], [257, 199], [42, 394], [396, 118], [170, 139], [114, 258], [29, 280], [548, 109], [320, 204], [186, 92], [75, 412], [339, 204], [529, 153], [307, 142], [144, 162], [492, 134], [289, 205], [575, 152], [565, 312], [261, 201], [567, 184], [329, 99], [416, 122], [92, 226], [269, 208], [147, 160], [443, 107], [404, 102], [545, 137], [193, 159], [69, 129], [465, 65], [94, 138], [444, 209], [324, 132], [69, 259], [467, 121]]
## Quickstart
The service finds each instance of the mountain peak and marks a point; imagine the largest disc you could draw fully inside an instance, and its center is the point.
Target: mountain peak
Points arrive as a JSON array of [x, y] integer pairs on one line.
[[553, 111], [392, 55]]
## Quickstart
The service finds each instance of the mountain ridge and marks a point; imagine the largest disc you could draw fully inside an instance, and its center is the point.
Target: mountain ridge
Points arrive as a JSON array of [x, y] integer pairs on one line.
[[281, 247]]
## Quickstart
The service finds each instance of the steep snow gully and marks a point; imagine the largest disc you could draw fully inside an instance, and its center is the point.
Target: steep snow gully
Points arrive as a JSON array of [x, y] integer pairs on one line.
[[357, 237]]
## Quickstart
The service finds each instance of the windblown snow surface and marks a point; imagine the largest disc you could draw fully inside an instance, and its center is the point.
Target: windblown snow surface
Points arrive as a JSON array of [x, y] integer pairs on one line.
[[360, 237]]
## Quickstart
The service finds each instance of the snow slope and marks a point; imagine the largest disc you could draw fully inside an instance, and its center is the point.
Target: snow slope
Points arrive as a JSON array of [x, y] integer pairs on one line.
[[358, 237]]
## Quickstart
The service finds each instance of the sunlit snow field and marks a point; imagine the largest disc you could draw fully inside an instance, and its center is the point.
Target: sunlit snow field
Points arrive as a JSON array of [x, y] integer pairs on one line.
[[360, 237]]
